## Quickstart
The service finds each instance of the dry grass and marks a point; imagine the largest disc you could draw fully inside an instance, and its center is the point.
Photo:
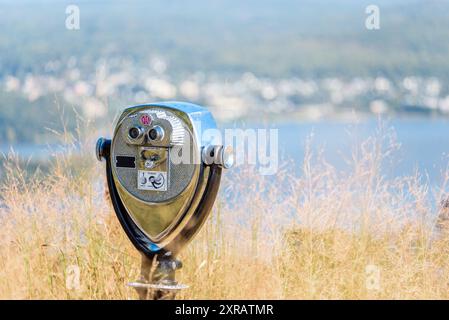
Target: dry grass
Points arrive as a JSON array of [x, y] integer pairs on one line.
[[326, 235]]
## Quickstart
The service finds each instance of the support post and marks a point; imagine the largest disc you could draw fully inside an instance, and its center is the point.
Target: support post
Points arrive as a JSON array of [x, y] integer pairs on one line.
[[157, 278]]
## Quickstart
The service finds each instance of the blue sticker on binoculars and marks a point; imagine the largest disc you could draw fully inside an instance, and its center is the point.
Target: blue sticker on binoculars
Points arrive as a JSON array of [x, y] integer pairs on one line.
[[152, 180]]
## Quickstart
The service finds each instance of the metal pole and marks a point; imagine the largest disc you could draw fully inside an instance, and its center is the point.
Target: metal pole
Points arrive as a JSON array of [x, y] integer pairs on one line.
[[145, 270]]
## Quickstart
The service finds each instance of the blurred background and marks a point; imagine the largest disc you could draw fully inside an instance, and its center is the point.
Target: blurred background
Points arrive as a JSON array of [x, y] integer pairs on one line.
[[300, 66]]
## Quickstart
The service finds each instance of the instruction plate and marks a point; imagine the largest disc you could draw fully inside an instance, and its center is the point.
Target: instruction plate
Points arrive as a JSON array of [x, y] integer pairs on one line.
[[152, 180]]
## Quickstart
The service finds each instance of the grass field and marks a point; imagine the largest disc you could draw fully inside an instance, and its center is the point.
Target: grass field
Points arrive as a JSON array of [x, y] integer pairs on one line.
[[326, 235]]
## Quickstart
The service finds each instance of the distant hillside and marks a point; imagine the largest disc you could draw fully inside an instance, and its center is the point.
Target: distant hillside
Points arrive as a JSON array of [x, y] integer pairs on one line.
[[286, 58], [273, 38]]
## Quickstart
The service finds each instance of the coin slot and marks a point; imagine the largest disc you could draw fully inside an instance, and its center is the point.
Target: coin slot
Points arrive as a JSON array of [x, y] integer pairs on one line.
[[125, 162]]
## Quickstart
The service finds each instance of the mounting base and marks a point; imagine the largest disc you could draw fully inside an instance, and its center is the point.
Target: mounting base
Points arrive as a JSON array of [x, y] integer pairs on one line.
[[161, 271]]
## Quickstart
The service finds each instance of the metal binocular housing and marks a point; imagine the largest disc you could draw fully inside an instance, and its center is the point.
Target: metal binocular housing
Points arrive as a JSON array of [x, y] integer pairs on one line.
[[163, 177]]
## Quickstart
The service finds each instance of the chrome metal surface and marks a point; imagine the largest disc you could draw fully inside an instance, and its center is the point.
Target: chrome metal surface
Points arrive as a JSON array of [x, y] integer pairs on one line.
[[227, 157], [218, 154], [161, 215]]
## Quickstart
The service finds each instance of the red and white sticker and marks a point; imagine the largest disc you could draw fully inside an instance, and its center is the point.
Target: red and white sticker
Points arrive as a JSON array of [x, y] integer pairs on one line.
[[145, 119]]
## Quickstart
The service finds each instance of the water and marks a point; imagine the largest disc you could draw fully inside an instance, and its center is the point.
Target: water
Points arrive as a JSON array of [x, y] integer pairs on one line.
[[34, 152], [424, 144]]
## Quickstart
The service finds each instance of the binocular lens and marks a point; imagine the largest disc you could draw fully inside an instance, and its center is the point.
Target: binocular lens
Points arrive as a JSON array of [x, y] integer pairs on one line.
[[134, 133], [152, 134], [156, 133]]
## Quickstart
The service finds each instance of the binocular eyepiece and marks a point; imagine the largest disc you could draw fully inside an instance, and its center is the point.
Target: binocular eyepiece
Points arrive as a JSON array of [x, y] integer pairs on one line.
[[138, 134]]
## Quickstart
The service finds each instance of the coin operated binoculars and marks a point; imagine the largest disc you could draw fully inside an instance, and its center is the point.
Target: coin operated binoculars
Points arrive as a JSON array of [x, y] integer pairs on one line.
[[163, 178]]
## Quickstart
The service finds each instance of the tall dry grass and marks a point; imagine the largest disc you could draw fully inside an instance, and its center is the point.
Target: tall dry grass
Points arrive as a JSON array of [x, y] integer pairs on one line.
[[325, 234]]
